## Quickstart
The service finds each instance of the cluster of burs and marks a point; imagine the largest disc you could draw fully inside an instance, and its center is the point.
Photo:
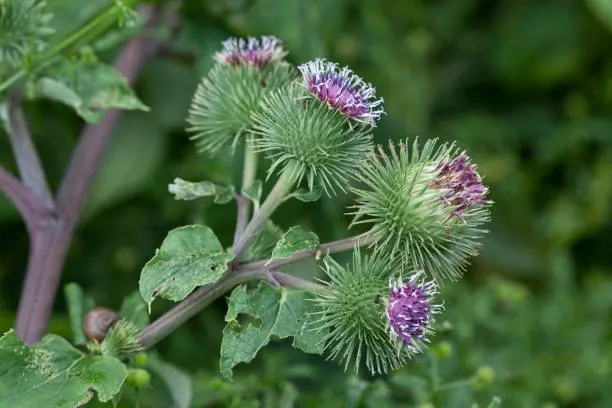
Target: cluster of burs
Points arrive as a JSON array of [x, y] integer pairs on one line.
[[423, 204]]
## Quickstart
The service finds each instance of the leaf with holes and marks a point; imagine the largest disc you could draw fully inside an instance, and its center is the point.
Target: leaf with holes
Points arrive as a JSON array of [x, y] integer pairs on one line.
[[189, 257], [271, 312]]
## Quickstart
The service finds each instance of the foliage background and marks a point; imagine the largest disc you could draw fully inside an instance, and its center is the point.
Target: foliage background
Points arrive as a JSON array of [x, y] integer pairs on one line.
[[525, 86]]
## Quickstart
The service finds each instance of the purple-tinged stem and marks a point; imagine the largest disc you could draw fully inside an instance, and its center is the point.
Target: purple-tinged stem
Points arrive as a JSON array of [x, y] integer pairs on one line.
[[49, 244], [26, 202], [30, 167]]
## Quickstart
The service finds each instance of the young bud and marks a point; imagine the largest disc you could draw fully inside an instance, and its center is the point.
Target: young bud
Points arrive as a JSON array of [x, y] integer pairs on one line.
[[321, 125], [427, 205], [367, 320], [222, 105]]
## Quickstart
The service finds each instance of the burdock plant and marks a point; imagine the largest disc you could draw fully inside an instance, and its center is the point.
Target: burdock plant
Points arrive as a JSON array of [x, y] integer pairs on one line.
[[424, 206]]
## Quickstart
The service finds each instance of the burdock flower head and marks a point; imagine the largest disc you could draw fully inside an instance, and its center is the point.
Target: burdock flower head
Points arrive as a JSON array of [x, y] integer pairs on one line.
[[341, 89], [426, 205], [246, 70], [410, 312], [320, 125], [254, 51]]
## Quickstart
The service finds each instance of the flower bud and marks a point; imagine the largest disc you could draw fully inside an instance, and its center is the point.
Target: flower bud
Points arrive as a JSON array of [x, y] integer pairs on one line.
[[320, 125], [246, 70], [369, 321], [426, 205]]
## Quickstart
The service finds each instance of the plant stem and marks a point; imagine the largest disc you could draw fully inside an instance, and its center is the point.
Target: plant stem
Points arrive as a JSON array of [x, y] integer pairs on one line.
[[50, 243], [330, 247], [203, 296], [276, 197], [30, 207], [249, 172], [30, 167]]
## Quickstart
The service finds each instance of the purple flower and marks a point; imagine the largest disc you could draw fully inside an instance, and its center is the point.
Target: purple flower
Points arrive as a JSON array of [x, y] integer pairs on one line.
[[257, 52], [409, 311], [461, 183], [342, 90]]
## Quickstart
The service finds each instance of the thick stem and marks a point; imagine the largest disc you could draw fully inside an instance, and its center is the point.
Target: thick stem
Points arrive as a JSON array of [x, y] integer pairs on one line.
[[276, 197], [330, 247], [30, 167], [189, 307], [203, 296], [249, 173], [50, 244]]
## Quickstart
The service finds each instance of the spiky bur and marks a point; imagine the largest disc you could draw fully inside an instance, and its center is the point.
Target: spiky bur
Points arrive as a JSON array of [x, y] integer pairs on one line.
[[223, 102], [342, 90], [23, 25], [354, 311], [426, 205], [410, 313], [121, 340], [298, 131], [251, 51]]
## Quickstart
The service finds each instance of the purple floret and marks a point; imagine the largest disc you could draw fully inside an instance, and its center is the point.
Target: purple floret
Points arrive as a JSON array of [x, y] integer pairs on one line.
[[409, 311], [253, 51], [342, 90]]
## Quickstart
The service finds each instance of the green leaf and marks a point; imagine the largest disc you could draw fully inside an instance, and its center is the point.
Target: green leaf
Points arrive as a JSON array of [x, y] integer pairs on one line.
[[177, 382], [272, 312], [253, 193], [187, 190], [134, 309], [296, 239], [189, 257], [88, 87], [78, 306], [53, 374], [603, 10], [306, 195]]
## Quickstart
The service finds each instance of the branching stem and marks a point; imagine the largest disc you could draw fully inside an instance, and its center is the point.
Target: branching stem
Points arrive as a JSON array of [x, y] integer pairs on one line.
[[249, 173]]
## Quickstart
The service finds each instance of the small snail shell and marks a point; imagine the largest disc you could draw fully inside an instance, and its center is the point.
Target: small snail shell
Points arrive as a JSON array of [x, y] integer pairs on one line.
[[97, 322]]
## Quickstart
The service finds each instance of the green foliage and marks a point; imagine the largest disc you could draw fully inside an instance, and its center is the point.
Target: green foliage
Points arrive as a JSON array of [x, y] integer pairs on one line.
[[296, 130], [224, 100], [24, 24], [32, 376], [187, 190], [354, 313], [264, 243], [89, 87], [78, 306], [295, 239], [177, 382], [269, 312], [408, 214], [189, 257]]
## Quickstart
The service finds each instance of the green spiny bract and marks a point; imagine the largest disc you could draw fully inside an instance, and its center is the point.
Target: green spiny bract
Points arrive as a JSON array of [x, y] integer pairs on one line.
[[23, 24], [225, 99], [354, 312], [297, 130], [121, 340], [406, 200]]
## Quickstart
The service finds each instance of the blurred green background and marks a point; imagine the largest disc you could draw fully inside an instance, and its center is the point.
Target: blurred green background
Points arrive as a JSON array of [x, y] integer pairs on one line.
[[525, 86]]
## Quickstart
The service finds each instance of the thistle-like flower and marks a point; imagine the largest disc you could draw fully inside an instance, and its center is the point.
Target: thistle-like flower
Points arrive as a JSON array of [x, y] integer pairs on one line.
[[320, 126], [342, 90], [253, 51], [353, 314], [246, 70], [410, 311], [426, 205]]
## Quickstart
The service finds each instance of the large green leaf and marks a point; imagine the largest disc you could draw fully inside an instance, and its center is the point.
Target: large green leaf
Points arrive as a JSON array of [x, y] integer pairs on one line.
[[272, 312], [189, 257], [88, 87], [296, 239], [53, 374]]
